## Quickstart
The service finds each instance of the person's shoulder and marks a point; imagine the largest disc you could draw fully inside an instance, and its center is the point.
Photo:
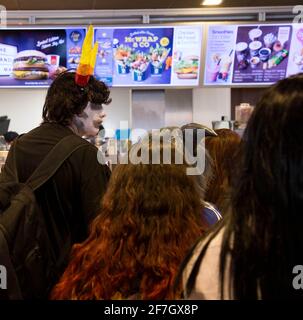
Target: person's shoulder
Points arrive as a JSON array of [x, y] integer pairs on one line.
[[213, 240], [26, 135], [45, 131], [210, 263], [87, 153], [87, 146]]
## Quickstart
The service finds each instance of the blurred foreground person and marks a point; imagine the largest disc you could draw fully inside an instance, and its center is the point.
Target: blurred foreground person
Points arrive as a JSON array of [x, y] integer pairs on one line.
[[150, 217], [254, 252]]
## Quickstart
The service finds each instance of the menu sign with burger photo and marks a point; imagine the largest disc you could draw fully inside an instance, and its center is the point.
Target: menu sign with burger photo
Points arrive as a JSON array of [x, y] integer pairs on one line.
[[35, 57], [186, 55], [150, 56]]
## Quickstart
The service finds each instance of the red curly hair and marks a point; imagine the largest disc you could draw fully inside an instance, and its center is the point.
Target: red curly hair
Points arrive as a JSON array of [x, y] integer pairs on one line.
[[150, 218]]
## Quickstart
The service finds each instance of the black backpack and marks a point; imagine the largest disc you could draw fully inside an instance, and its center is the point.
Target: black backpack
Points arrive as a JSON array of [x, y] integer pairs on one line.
[[25, 248]]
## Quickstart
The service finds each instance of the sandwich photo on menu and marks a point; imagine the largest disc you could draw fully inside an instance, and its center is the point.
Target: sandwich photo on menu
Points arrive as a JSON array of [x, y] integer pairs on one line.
[[30, 65], [187, 68]]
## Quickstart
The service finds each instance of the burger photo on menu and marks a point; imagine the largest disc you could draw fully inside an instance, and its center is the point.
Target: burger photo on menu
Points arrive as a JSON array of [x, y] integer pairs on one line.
[[187, 68], [30, 65]]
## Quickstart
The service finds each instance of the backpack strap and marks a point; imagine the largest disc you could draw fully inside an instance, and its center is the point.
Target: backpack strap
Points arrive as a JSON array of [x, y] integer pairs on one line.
[[54, 160]]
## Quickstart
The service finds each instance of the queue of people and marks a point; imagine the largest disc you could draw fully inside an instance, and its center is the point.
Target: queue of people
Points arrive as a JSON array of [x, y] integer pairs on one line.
[[126, 235]]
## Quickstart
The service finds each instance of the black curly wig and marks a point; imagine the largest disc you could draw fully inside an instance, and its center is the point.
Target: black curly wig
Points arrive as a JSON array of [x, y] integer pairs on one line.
[[65, 98]]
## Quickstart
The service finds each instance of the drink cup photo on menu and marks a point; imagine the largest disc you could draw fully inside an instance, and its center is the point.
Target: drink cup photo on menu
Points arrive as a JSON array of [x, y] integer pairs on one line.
[[262, 53]]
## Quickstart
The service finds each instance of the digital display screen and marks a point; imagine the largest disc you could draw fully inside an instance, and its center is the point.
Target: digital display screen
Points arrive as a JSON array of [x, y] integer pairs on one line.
[[34, 57], [127, 56], [153, 56], [252, 54]]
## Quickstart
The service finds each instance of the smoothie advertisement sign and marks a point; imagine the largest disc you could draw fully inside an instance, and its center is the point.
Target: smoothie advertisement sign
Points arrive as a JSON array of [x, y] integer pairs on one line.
[[34, 57], [253, 54], [150, 56]]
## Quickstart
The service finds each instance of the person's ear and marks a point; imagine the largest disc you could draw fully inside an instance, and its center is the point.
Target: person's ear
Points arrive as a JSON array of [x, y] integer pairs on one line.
[[82, 115]]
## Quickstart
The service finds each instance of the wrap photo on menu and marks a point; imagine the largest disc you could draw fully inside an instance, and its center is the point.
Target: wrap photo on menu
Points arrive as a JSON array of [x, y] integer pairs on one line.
[[134, 56], [35, 57], [262, 53], [141, 56], [166, 56]]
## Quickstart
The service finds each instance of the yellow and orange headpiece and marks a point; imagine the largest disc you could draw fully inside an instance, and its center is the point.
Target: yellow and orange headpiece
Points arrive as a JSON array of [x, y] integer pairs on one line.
[[88, 59]]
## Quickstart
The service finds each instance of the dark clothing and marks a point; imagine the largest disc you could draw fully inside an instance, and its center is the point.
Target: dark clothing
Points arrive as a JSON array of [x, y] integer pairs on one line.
[[69, 200]]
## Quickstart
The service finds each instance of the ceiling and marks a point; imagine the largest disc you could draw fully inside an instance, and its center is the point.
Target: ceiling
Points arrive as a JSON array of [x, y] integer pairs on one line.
[[132, 4]]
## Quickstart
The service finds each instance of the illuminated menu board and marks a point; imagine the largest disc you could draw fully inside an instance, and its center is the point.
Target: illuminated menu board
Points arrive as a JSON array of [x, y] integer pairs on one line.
[[132, 56], [34, 57], [149, 56], [253, 54]]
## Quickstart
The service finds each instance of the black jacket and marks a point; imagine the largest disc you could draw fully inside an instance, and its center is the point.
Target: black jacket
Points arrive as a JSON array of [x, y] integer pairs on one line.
[[71, 199]]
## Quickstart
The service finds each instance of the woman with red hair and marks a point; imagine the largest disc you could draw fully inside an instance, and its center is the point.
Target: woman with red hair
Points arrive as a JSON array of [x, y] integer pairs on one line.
[[150, 218], [224, 149]]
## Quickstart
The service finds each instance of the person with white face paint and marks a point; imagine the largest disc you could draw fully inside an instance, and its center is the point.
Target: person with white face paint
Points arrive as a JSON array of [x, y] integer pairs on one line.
[[89, 121], [70, 199]]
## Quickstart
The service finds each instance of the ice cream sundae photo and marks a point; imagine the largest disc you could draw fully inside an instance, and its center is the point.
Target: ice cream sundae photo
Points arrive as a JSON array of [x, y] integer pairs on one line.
[[277, 47], [269, 40], [255, 34]]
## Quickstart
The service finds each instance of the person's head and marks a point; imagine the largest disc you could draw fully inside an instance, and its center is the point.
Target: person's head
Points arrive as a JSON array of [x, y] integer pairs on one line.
[[68, 104], [266, 212], [190, 131], [10, 136], [194, 135], [150, 217], [224, 151], [273, 149]]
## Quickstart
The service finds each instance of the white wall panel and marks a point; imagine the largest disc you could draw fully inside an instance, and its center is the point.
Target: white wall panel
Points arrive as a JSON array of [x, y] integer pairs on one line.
[[210, 104], [24, 108]]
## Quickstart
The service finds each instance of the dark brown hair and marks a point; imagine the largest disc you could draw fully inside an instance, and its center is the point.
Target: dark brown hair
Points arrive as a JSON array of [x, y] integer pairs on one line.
[[262, 241], [65, 98]]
